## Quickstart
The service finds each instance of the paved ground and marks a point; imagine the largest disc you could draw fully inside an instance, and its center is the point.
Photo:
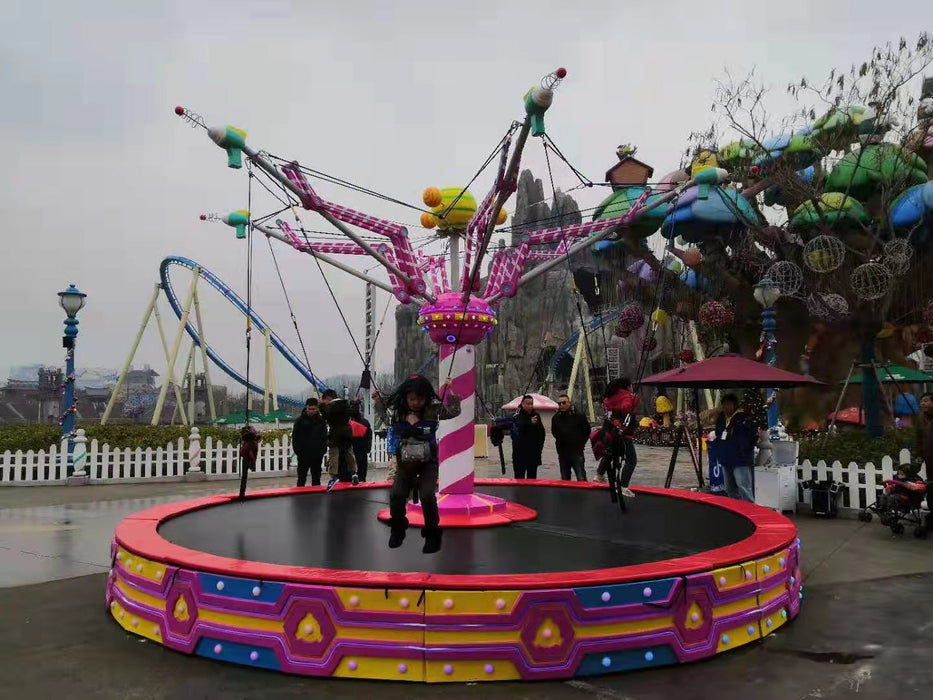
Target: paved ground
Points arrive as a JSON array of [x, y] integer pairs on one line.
[[866, 628]]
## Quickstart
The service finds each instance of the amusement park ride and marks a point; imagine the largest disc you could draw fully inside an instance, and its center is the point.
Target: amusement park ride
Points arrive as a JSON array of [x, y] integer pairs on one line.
[[455, 311], [238, 580]]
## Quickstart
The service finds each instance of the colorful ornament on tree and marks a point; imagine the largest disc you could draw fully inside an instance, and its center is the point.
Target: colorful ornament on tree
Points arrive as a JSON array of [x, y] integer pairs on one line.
[[649, 344], [687, 355], [715, 314], [787, 276], [824, 254], [631, 318], [692, 257], [660, 317], [870, 281]]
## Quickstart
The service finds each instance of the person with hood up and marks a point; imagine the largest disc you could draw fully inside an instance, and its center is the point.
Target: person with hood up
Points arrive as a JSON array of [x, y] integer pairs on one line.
[[362, 440], [416, 411], [527, 440], [614, 439]]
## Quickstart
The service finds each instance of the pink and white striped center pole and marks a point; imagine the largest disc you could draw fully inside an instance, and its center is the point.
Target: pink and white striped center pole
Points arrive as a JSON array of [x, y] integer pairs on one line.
[[455, 437]]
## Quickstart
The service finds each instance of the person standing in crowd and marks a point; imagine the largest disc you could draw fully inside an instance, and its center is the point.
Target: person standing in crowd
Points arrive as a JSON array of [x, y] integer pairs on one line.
[[527, 440], [571, 430], [736, 438], [341, 465], [362, 443], [309, 440], [923, 449], [615, 436]]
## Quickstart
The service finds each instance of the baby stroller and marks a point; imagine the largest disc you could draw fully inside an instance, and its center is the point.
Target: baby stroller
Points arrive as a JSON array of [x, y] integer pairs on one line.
[[900, 503]]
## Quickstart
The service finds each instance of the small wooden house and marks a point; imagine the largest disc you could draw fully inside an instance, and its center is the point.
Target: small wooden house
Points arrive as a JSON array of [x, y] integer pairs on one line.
[[628, 171]]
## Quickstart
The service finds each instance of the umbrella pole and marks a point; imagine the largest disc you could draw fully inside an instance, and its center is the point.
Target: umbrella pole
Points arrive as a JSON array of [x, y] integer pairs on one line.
[[842, 394], [699, 459]]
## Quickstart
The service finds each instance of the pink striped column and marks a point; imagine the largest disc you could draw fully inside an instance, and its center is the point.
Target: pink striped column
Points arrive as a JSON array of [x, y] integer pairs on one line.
[[457, 328]]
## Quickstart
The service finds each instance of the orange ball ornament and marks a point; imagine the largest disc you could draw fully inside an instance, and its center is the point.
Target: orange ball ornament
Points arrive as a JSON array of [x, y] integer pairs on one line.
[[503, 215], [692, 257], [428, 220], [432, 197]]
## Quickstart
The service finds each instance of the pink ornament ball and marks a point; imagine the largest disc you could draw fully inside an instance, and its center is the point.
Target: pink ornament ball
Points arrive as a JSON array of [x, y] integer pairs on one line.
[[561, 72]]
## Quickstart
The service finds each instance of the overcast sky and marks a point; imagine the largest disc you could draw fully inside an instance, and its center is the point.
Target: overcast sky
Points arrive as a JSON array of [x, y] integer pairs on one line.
[[100, 180]]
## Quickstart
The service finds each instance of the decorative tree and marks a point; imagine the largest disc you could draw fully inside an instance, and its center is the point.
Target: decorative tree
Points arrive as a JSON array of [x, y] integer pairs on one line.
[[833, 203]]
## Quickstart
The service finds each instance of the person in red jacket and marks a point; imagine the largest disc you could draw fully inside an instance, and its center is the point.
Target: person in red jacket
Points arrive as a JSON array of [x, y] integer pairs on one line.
[[615, 435]]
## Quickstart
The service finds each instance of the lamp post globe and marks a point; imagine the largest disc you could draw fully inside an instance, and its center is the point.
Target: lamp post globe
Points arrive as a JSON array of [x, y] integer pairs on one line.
[[72, 301], [767, 293]]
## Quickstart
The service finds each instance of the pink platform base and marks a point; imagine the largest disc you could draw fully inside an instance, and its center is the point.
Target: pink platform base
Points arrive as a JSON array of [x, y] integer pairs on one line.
[[469, 510]]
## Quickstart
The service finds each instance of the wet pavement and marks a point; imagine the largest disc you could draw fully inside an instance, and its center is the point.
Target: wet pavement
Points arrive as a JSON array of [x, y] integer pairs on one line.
[[866, 629]]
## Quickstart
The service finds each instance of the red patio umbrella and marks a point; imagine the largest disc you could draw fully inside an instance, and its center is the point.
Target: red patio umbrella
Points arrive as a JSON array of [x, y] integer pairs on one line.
[[729, 371]]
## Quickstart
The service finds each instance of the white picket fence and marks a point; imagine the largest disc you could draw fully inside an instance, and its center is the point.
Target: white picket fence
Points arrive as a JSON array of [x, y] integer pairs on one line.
[[861, 483], [105, 464]]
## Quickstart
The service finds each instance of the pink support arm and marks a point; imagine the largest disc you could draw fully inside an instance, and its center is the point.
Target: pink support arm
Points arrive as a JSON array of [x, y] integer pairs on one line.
[[514, 270], [398, 287], [494, 283], [549, 235]]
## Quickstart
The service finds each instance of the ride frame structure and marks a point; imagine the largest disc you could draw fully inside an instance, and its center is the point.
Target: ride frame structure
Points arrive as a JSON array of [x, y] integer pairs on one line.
[[454, 311]]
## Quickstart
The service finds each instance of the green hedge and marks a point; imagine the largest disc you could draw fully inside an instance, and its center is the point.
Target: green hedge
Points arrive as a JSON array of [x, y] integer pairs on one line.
[[855, 446], [40, 437]]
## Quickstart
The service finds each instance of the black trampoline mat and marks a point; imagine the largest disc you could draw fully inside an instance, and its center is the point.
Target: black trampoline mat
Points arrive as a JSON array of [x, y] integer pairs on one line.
[[576, 529]]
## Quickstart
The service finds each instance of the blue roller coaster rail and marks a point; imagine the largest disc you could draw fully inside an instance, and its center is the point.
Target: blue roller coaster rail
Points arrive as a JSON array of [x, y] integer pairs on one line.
[[258, 323], [594, 324]]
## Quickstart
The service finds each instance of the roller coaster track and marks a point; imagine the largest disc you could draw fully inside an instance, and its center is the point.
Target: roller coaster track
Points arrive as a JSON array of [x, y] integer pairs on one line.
[[240, 305]]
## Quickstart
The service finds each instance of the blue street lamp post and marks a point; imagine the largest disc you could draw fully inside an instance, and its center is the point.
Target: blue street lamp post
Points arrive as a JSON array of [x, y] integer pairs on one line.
[[767, 293], [71, 301]]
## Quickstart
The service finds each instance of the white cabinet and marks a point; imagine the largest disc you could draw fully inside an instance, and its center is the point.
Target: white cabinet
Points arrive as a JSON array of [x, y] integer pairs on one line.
[[776, 487]]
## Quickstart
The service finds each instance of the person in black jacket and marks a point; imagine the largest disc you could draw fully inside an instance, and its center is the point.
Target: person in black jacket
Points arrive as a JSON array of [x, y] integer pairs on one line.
[[527, 440], [736, 437], [309, 440], [571, 431], [361, 445]]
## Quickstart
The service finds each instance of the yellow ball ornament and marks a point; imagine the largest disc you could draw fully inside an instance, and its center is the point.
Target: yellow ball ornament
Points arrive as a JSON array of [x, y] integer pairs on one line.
[[432, 197], [502, 217], [428, 220], [660, 317]]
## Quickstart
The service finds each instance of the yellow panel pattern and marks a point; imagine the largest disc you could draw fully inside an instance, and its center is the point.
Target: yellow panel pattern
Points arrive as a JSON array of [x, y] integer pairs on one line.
[[470, 602], [373, 600], [379, 668], [467, 670], [137, 625], [138, 566]]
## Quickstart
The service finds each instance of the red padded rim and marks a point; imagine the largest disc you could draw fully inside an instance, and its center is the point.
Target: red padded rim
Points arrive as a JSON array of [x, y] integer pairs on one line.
[[139, 534]]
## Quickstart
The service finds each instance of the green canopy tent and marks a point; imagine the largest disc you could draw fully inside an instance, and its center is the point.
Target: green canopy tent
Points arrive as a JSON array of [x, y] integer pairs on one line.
[[279, 416], [889, 373], [238, 418]]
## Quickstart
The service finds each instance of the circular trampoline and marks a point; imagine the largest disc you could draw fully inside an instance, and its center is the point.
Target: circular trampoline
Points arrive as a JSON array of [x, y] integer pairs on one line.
[[303, 582]]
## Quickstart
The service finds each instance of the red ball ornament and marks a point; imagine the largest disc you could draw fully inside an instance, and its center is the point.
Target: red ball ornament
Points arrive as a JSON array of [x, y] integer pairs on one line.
[[179, 110], [928, 315], [203, 217], [650, 343], [715, 314], [755, 169], [631, 318], [561, 73], [687, 355]]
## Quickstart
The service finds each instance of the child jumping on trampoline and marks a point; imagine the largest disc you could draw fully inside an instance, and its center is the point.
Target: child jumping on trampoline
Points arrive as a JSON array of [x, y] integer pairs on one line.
[[412, 440], [341, 464], [613, 441]]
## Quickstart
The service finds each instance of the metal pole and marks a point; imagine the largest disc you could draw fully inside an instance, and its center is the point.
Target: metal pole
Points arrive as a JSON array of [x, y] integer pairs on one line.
[[273, 172], [769, 326], [266, 377], [68, 402], [454, 240], [177, 344], [278, 235], [204, 363], [370, 345], [190, 367], [129, 358], [590, 240]]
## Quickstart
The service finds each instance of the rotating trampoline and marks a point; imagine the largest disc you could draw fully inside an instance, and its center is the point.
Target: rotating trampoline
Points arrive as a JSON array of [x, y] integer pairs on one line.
[[302, 582]]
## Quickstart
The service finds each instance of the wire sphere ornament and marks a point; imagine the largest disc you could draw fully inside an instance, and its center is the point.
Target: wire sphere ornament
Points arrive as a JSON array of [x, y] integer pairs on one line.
[[649, 344], [898, 249], [687, 356], [827, 306], [824, 254], [715, 314], [898, 267], [870, 281], [787, 276]]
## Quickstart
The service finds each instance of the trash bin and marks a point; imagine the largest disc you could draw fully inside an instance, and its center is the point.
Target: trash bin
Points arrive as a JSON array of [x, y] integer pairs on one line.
[[824, 497]]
